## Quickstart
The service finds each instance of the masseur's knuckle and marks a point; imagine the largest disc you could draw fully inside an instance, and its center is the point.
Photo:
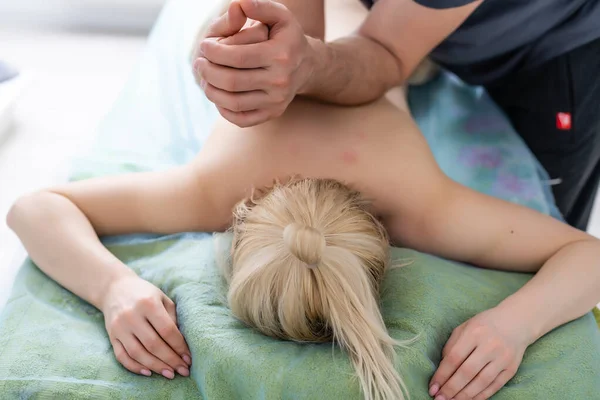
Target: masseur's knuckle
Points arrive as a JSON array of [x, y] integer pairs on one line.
[[283, 58], [281, 82]]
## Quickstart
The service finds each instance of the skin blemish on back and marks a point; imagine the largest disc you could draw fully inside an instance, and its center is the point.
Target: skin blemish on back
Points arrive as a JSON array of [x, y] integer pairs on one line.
[[350, 157], [511, 231]]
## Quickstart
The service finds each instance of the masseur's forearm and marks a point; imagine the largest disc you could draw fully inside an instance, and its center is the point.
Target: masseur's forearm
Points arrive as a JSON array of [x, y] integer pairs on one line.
[[565, 288], [351, 71], [63, 244]]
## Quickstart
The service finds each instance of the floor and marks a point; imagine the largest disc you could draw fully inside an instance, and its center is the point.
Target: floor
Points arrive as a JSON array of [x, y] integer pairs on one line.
[[75, 79]]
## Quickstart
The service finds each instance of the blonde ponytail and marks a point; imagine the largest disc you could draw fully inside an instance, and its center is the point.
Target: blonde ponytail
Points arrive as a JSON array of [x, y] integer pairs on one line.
[[359, 328], [305, 243], [307, 263]]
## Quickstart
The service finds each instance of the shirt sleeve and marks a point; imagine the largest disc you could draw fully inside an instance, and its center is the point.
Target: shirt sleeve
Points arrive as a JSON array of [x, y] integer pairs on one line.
[[441, 4]]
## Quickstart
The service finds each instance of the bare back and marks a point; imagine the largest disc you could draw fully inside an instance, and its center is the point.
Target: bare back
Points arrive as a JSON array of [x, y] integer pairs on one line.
[[376, 149]]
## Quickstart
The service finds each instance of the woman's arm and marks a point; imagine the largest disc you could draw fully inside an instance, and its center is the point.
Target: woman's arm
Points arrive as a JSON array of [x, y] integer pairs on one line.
[[59, 227], [462, 224], [468, 226]]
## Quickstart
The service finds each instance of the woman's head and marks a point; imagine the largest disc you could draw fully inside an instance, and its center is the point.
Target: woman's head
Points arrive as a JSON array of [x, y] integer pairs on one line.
[[307, 262]]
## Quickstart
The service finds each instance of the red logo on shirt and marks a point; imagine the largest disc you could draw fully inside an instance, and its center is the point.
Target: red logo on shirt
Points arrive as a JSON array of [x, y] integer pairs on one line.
[[563, 121]]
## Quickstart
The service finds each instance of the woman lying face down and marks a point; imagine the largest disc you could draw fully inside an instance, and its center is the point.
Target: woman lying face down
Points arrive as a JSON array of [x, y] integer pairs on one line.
[[309, 254]]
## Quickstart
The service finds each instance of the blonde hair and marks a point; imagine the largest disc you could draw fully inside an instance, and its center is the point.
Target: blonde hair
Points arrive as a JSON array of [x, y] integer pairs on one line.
[[307, 263]]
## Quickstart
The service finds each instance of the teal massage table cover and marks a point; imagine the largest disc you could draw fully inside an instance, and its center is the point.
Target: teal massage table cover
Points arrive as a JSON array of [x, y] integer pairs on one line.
[[54, 346]]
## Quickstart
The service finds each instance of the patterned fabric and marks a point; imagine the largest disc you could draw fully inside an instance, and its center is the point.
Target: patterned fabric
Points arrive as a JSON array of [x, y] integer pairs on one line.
[[475, 144]]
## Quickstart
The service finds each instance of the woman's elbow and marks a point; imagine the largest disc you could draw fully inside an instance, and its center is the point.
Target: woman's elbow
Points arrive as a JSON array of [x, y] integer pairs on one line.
[[20, 209], [30, 208]]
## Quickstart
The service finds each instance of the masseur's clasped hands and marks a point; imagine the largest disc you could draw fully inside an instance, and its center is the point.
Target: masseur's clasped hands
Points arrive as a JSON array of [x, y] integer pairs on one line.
[[253, 77]]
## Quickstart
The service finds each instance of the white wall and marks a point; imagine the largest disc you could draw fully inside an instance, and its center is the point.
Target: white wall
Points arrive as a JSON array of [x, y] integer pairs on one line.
[[121, 15]]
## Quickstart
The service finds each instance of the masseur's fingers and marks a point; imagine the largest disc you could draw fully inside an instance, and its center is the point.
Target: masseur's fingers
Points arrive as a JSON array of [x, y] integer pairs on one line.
[[255, 33], [466, 373], [257, 55], [166, 327], [126, 361], [236, 102], [138, 352], [159, 348], [498, 383], [269, 12], [225, 77], [245, 118], [481, 381], [231, 79], [229, 23]]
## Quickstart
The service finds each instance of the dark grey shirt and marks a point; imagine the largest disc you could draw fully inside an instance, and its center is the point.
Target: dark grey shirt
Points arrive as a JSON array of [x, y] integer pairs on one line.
[[503, 36]]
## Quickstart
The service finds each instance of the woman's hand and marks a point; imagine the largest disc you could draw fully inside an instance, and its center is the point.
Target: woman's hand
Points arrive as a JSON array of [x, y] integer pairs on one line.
[[480, 357], [142, 327]]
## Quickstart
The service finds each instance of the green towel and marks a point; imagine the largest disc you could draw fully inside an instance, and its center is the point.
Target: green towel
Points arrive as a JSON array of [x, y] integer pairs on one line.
[[54, 346]]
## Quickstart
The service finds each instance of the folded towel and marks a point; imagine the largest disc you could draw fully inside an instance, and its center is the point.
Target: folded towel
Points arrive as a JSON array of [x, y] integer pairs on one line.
[[54, 345]]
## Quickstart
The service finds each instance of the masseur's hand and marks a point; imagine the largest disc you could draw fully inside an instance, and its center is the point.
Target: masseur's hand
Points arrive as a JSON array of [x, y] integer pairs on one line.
[[480, 357], [142, 327], [252, 83]]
